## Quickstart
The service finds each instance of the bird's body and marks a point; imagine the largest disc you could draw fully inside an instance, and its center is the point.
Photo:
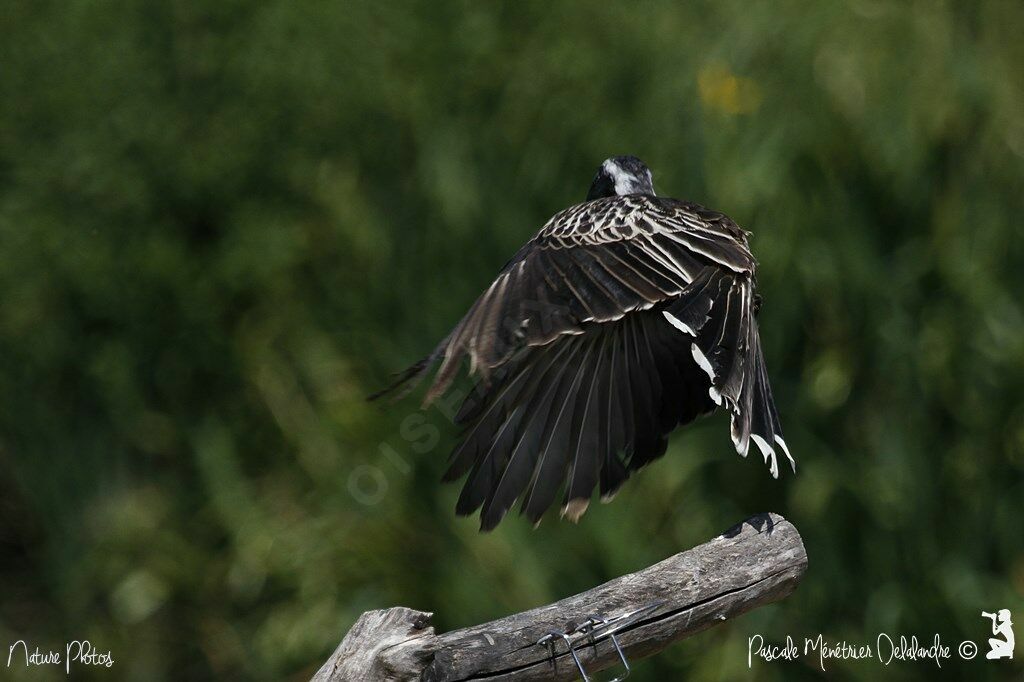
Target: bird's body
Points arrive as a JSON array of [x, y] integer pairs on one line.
[[624, 317]]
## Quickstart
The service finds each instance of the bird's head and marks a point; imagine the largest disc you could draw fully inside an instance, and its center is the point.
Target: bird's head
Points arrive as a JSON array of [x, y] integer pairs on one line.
[[621, 175]]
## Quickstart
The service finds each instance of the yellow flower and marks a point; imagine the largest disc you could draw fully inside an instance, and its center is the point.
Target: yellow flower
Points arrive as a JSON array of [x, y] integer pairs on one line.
[[722, 90]]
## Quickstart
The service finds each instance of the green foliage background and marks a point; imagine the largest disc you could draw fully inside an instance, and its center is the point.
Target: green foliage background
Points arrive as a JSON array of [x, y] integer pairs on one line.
[[223, 224]]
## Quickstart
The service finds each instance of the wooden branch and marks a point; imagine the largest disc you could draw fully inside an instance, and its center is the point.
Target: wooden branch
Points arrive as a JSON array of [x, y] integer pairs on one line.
[[757, 562]]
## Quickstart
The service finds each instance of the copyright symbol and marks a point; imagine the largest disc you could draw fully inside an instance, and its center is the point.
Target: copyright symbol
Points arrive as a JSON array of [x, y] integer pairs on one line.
[[968, 649]]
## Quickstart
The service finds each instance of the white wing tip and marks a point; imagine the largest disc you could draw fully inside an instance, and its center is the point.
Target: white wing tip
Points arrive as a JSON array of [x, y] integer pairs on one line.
[[678, 324], [785, 449], [768, 452], [704, 363], [742, 448]]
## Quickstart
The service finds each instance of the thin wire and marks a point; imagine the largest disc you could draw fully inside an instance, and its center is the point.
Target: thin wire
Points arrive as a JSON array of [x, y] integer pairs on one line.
[[592, 629]]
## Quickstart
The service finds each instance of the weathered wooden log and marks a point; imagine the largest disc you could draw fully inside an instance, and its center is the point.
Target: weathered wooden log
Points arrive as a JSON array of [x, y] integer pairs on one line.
[[757, 562]]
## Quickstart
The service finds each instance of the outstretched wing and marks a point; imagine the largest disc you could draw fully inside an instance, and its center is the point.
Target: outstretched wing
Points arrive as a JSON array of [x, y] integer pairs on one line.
[[622, 318], [593, 262]]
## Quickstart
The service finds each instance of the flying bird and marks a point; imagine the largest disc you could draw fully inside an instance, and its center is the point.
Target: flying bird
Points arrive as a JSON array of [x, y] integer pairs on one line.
[[624, 317]]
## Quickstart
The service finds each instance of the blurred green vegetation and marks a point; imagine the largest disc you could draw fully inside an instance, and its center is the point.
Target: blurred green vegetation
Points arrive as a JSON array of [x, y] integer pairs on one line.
[[223, 224]]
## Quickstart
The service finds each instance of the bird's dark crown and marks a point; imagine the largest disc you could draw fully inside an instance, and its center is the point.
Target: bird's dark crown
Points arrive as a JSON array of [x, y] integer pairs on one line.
[[621, 175]]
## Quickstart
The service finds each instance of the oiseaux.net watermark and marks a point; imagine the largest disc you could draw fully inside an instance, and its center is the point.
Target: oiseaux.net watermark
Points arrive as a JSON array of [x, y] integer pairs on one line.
[[886, 649], [368, 483]]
